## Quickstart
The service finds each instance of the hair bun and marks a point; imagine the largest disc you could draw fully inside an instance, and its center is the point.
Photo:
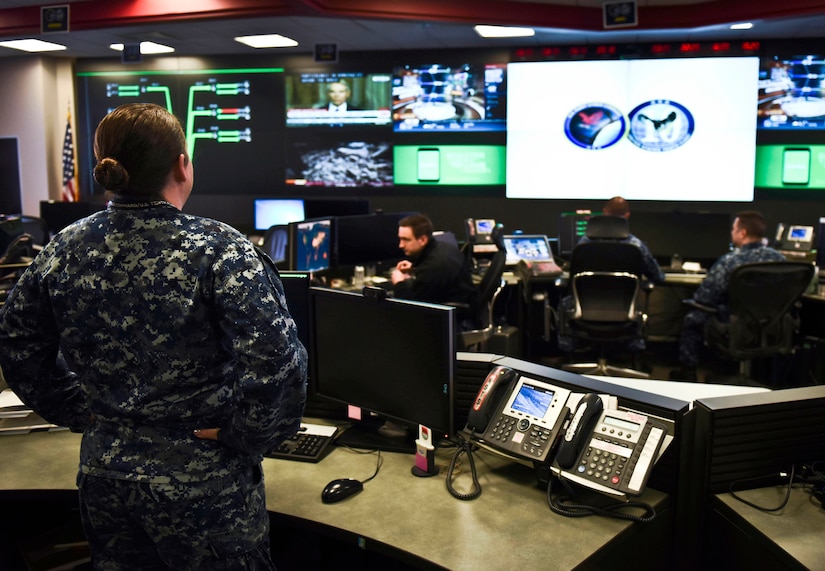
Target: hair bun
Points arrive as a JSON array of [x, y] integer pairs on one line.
[[111, 175]]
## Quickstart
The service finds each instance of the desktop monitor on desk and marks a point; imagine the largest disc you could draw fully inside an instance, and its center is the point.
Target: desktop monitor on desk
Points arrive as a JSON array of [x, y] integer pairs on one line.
[[368, 239], [390, 357], [310, 245], [572, 226], [277, 212]]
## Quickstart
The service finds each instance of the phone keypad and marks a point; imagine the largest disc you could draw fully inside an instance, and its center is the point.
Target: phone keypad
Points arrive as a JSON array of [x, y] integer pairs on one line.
[[502, 428], [604, 465], [535, 442]]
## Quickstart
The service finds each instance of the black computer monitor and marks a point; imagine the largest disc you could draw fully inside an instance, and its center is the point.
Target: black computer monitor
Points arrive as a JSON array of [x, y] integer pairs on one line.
[[311, 245], [277, 212], [572, 226], [390, 357], [368, 239], [694, 236], [820, 246], [58, 215], [321, 207]]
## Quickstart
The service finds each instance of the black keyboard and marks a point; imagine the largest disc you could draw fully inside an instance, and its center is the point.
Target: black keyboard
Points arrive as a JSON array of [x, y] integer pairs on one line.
[[311, 444]]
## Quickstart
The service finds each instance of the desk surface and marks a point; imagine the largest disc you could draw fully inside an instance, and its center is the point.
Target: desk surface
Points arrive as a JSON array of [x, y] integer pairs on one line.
[[414, 515], [796, 528]]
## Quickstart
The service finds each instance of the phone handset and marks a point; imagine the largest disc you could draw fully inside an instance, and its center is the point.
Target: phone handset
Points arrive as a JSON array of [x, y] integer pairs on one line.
[[580, 430], [489, 395]]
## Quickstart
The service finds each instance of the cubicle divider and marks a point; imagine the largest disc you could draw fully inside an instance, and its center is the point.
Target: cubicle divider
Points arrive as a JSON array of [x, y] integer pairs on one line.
[[753, 441]]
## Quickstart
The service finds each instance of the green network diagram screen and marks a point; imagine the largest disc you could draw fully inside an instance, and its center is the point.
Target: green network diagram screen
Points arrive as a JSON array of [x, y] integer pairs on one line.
[[233, 120]]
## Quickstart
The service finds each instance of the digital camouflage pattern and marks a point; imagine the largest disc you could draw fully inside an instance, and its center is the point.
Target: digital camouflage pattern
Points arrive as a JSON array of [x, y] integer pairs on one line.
[[154, 323], [713, 292]]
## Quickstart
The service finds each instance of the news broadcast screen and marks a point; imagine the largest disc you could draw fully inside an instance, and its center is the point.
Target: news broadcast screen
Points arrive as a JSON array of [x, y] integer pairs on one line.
[[337, 99]]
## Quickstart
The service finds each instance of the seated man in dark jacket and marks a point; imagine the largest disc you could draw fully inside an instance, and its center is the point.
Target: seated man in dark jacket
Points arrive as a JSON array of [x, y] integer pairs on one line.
[[433, 271]]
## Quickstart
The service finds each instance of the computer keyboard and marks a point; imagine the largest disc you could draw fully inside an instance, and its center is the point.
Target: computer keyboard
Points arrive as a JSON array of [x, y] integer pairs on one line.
[[311, 444]]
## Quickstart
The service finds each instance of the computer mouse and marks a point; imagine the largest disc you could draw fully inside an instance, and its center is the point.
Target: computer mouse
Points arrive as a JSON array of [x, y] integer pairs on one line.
[[340, 489]]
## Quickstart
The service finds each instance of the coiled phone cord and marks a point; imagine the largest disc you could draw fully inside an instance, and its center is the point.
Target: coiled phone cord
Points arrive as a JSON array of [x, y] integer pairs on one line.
[[464, 447], [564, 507]]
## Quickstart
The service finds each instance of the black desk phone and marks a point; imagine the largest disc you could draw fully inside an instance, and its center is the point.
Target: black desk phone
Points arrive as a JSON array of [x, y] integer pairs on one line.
[[610, 451], [518, 415]]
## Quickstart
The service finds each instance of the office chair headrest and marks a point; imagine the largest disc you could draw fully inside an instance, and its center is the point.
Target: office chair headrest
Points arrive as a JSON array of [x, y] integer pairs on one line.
[[607, 228], [498, 236]]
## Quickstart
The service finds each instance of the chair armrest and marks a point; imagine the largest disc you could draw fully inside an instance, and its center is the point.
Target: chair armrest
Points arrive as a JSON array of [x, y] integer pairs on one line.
[[696, 305]]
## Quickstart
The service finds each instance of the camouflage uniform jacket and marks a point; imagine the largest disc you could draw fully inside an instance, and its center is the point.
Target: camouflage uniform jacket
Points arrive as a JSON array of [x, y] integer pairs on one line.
[[141, 323], [713, 290]]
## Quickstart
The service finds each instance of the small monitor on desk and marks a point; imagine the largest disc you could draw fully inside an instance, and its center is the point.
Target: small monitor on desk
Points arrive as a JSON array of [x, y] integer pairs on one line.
[[310, 245], [795, 237], [527, 247], [277, 212]]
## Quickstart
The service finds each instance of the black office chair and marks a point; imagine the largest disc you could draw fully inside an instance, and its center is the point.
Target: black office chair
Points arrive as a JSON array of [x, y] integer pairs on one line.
[[763, 298], [275, 243], [488, 289], [605, 284]]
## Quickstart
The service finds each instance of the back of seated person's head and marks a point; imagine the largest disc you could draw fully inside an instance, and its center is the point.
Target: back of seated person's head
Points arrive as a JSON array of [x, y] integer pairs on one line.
[[419, 224], [753, 222], [616, 206]]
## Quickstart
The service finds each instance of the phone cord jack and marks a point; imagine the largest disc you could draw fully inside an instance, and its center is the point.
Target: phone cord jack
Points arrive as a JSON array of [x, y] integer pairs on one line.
[[464, 447]]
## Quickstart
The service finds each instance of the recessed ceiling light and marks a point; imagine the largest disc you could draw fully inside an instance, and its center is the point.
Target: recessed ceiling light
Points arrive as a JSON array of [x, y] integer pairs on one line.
[[742, 26], [267, 41], [504, 32], [32, 45], [147, 48]]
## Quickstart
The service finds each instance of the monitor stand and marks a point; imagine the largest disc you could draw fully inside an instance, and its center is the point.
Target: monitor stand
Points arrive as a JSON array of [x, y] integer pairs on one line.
[[378, 434]]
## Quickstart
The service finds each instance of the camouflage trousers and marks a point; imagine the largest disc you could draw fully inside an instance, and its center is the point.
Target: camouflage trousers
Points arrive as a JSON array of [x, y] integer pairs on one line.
[[203, 526]]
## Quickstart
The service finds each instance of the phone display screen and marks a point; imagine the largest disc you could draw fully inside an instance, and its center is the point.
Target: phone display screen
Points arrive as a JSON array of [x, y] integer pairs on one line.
[[618, 422], [533, 400]]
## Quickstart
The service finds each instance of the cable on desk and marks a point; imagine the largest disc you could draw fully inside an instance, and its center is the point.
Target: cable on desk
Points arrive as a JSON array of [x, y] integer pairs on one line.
[[758, 507], [464, 447], [563, 505]]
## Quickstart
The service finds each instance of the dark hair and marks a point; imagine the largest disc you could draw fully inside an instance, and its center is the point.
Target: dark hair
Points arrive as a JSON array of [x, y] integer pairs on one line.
[[616, 206], [136, 146], [753, 222], [420, 225]]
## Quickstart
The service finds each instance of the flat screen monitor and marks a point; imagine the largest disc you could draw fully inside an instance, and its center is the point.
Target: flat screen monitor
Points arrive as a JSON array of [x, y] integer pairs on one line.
[[527, 247], [394, 358], [449, 98], [350, 158], [572, 226], [368, 239], [647, 129], [820, 246], [694, 236], [277, 212], [310, 245], [337, 99], [321, 207], [58, 215]]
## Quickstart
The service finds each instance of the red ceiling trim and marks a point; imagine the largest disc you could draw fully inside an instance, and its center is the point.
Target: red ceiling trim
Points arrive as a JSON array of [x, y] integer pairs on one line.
[[96, 14]]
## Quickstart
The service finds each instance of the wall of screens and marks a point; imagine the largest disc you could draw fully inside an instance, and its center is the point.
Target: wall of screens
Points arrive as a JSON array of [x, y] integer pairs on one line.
[[487, 123]]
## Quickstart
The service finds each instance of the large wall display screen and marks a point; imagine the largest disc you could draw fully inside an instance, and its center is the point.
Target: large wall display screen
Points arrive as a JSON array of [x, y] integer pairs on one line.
[[790, 122], [663, 129], [232, 119]]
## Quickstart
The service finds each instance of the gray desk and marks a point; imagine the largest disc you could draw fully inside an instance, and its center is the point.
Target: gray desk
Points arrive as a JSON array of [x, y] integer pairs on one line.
[[509, 526], [791, 538]]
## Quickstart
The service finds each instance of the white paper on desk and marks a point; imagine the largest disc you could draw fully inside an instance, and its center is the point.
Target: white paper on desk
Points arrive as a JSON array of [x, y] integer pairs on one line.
[[31, 421], [11, 406]]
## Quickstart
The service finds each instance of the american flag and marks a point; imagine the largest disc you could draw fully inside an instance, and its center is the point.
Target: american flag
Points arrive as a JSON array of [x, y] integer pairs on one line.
[[69, 186]]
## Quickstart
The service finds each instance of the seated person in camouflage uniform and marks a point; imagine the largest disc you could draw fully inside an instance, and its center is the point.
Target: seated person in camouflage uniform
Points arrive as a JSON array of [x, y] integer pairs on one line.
[[747, 233], [166, 340]]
